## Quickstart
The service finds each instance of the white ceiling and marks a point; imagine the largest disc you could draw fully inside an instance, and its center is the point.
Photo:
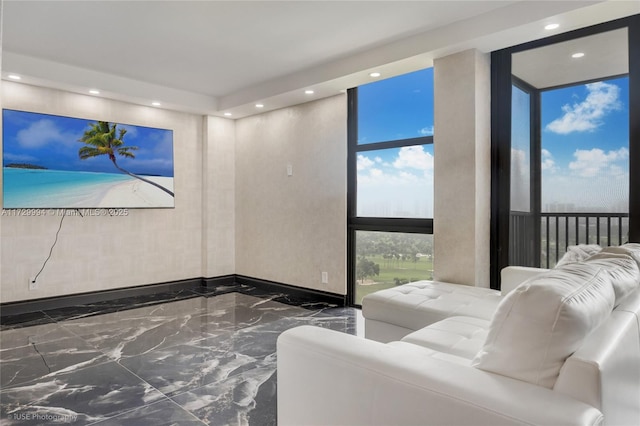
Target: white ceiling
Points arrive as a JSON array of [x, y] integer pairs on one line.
[[212, 57], [605, 55]]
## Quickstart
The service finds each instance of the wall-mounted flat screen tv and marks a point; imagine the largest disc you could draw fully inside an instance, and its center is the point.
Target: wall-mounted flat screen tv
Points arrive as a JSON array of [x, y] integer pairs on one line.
[[51, 161]]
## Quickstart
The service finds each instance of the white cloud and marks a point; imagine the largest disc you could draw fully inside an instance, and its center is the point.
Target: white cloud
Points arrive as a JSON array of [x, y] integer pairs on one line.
[[548, 162], [426, 131], [587, 115], [41, 133], [376, 173], [519, 162], [401, 186], [132, 131], [590, 163], [363, 163], [414, 157]]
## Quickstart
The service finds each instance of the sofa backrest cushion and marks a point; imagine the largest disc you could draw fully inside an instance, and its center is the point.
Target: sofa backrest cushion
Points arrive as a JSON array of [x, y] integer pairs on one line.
[[544, 320], [578, 253], [622, 267]]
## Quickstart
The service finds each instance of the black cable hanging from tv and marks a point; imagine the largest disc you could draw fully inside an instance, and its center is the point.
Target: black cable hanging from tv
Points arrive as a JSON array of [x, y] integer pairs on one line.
[[54, 244]]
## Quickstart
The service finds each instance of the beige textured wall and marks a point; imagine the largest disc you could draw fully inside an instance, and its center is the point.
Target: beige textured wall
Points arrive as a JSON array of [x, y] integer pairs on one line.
[[98, 253], [237, 211], [291, 228], [218, 191], [462, 174]]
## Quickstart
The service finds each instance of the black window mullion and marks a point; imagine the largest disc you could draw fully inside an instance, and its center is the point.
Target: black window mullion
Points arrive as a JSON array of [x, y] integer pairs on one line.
[[379, 224], [405, 225], [399, 143]]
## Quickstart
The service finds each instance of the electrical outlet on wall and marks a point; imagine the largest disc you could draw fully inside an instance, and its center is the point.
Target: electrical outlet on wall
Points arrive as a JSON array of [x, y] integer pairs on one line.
[[33, 284], [325, 278]]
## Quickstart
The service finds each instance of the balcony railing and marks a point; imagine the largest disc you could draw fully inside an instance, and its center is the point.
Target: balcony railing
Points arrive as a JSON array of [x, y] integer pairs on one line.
[[559, 230]]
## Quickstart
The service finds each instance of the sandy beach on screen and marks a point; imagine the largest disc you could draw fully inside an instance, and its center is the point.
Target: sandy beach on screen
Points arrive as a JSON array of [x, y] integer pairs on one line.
[[137, 193]]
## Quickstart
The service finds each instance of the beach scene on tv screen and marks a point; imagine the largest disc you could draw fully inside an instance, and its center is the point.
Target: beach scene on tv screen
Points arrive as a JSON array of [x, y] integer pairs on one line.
[[52, 161]]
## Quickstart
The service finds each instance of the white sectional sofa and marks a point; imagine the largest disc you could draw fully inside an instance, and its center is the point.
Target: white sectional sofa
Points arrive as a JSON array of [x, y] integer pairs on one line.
[[561, 348]]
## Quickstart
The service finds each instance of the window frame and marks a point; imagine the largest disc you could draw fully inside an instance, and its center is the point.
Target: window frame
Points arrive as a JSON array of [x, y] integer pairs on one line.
[[366, 223], [501, 83]]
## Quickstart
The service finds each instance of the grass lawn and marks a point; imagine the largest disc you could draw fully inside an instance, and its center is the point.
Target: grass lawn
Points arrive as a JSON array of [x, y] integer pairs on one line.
[[420, 270]]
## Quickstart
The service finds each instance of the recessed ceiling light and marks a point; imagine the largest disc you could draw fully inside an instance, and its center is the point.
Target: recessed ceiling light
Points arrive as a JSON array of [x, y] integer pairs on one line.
[[228, 114], [551, 26], [156, 103], [577, 55], [375, 74], [14, 77], [94, 92], [259, 106], [309, 92]]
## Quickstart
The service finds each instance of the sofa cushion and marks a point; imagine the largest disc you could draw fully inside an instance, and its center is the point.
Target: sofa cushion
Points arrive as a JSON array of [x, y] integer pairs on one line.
[[421, 303], [578, 253], [633, 249], [544, 320], [422, 351], [460, 336], [623, 268]]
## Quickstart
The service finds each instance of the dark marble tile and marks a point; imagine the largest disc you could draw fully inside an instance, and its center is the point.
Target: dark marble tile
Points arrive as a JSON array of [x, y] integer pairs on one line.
[[31, 353], [133, 332], [78, 397], [8, 322], [211, 291], [117, 305], [37, 361], [344, 319], [244, 398], [248, 338], [232, 378], [213, 355], [25, 336], [163, 413]]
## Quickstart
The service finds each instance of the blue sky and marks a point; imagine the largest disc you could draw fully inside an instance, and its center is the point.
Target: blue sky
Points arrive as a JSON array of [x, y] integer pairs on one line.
[[396, 108], [52, 141], [396, 182], [585, 148]]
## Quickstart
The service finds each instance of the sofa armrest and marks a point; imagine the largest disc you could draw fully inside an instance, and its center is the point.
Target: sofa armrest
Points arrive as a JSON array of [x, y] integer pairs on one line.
[[330, 378], [512, 276]]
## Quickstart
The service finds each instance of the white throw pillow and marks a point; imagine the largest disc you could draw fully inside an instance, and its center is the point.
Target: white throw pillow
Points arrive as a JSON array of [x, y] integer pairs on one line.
[[630, 249], [544, 320], [578, 253], [622, 267]]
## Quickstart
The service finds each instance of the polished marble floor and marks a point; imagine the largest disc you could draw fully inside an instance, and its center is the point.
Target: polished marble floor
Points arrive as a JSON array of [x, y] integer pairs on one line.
[[194, 357]]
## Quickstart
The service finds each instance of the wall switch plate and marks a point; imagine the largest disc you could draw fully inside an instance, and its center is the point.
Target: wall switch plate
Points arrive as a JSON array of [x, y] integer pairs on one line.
[[325, 278], [33, 284], [289, 170]]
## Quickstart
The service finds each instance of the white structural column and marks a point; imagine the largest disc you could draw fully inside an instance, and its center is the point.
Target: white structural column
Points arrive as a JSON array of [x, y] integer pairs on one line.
[[462, 170], [218, 197]]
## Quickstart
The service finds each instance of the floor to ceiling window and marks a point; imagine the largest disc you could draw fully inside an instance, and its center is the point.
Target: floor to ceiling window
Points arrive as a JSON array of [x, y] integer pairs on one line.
[[584, 178], [390, 173], [563, 133]]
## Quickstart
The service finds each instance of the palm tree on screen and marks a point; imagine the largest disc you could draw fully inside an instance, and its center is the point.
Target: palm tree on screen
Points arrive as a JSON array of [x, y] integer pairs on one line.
[[101, 139]]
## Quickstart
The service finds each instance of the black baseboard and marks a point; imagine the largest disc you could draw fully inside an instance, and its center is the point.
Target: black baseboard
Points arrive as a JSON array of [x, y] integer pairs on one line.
[[294, 291], [195, 284], [225, 280], [57, 302]]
